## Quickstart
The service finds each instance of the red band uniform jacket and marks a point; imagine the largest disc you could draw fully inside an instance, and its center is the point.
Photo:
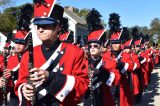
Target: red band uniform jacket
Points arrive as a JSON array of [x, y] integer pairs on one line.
[[156, 57], [68, 78], [13, 65], [126, 95], [145, 67], [136, 71], [105, 76]]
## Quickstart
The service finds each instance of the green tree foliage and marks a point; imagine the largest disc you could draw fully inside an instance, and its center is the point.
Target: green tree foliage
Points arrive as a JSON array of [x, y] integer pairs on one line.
[[142, 29], [4, 2], [8, 19], [83, 13], [155, 26], [7, 22], [76, 10]]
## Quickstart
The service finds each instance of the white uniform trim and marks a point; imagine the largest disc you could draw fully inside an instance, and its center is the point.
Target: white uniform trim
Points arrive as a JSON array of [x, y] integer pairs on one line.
[[56, 68], [97, 85], [125, 68], [16, 68], [67, 88], [20, 93], [95, 78], [143, 60], [42, 93], [135, 66], [99, 64], [15, 81], [111, 79], [150, 53], [119, 56], [51, 59]]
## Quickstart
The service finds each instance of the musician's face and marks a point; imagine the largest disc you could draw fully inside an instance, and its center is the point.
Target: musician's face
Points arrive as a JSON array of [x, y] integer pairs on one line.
[[48, 33], [13, 51], [127, 50], [132, 48], [116, 46], [104, 49], [95, 49], [146, 46], [20, 48], [137, 49]]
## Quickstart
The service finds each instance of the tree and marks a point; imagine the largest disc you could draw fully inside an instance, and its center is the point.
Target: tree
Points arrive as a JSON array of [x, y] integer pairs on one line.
[[76, 10], [155, 26], [9, 18], [83, 13], [7, 23], [4, 2], [143, 29]]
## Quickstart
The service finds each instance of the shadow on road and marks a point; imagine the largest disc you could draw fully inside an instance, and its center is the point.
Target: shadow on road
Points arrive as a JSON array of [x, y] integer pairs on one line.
[[151, 91]]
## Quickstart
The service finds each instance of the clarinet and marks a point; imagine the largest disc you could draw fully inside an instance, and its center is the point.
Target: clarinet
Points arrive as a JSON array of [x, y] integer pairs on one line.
[[4, 102], [90, 75], [30, 66]]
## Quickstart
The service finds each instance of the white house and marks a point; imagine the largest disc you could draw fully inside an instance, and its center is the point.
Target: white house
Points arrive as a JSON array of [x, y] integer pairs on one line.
[[3, 39], [76, 23]]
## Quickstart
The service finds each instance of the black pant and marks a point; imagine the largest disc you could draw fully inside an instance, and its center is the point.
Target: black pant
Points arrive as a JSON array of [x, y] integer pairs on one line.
[[13, 100]]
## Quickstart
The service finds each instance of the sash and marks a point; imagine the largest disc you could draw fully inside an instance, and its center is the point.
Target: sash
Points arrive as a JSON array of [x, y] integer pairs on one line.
[[95, 78], [53, 65]]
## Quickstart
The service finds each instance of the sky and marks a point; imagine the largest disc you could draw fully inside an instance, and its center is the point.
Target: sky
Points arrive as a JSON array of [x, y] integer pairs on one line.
[[132, 12]]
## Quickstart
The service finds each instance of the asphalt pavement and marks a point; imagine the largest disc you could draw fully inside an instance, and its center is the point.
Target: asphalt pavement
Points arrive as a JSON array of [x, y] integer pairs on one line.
[[151, 96]]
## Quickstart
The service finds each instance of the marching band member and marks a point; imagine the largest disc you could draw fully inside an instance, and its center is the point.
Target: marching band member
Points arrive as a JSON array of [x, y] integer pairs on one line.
[[60, 73], [105, 73], [136, 69]]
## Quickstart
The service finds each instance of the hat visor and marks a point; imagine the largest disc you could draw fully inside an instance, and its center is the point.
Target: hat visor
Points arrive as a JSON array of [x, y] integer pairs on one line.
[[94, 41], [115, 41], [44, 21], [127, 47], [137, 45], [20, 41]]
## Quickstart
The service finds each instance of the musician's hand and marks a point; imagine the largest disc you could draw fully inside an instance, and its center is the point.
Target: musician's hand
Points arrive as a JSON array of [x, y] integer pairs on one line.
[[2, 83], [120, 65], [38, 76], [140, 58], [7, 73], [27, 91]]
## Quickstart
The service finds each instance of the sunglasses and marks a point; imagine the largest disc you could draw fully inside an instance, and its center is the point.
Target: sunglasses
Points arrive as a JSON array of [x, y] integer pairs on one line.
[[46, 26], [94, 46]]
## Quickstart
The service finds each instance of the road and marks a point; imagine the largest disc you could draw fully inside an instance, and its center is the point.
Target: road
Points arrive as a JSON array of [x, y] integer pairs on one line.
[[151, 96]]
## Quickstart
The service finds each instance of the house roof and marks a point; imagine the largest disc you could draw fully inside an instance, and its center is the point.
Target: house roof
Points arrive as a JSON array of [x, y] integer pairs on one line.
[[78, 19]]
